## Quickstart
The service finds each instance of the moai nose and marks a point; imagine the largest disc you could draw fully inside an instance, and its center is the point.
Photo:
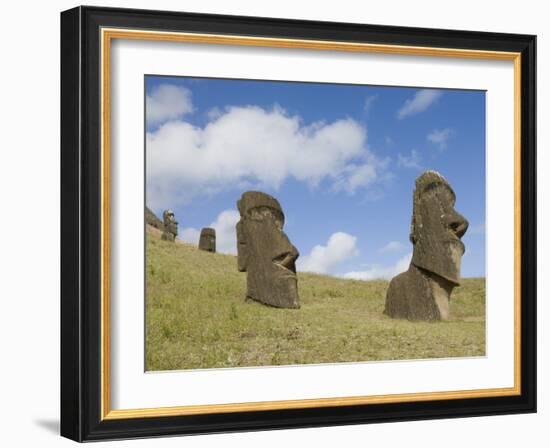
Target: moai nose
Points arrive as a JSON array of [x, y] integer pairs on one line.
[[458, 224]]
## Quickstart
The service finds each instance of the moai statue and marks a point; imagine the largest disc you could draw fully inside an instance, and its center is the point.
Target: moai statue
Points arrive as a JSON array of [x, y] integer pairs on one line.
[[423, 292], [170, 226], [265, 252], [207, 240]]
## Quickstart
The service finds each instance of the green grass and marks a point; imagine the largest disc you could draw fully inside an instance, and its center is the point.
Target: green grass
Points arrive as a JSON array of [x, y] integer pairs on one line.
[[196, 317]]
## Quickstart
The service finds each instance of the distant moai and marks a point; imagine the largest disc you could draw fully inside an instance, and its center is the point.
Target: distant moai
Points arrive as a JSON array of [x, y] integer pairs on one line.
[[265, 253], [423, 292], [207, 240], [170, 226]]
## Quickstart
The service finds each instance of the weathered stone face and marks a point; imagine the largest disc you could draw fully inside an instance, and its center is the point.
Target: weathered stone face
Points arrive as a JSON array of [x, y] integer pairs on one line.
[[423, 292], [437, 228], [170, 225], [265, 252], [207, 240]]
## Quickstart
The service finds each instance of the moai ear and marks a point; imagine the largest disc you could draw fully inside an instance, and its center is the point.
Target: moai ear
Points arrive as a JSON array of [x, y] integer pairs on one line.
[[412, 230], [242, 248]]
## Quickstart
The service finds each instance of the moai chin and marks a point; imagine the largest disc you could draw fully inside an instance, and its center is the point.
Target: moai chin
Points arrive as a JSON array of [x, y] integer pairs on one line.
[[170, 226], [265, 253], [207, 240], [423, 292]]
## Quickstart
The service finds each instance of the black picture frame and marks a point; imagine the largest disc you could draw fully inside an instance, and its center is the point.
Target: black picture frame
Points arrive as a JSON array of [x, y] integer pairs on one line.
[[81, 380]]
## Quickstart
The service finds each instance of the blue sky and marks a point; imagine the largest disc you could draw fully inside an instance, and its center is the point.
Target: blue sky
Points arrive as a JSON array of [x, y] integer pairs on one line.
[[341, 159]]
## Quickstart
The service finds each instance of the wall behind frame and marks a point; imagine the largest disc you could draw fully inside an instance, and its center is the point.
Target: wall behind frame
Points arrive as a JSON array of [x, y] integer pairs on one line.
[[29, 228]]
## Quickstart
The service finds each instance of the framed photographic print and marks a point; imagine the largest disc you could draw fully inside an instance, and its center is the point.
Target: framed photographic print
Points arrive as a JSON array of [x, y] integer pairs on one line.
[[273, 223]]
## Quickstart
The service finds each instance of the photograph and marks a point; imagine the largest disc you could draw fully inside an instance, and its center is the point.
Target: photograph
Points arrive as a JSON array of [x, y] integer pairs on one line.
[[281, 224], [291, 223]]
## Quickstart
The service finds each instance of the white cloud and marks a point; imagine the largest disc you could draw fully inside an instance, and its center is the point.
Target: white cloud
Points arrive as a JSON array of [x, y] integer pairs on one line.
[[167, 102], [419, 102], [226, 237], [382, 272], [392, 246], [354, 177], [325, 259], [369, 101], [440, 137], [256, 147], [214, 113], [412, 161], [189, 235]]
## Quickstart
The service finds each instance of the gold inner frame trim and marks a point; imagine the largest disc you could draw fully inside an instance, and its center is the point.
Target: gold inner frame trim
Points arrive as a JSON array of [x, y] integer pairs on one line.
[[107, 35]]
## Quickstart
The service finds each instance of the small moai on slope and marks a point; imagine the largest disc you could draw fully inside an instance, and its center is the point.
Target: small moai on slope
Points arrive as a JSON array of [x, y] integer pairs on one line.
[[207, 240], [170, 226], [265, 253], [423, 292]]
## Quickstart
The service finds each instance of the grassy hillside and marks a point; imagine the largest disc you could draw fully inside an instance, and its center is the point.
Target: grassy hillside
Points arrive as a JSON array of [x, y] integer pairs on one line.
[[196, 317], [153, 220]]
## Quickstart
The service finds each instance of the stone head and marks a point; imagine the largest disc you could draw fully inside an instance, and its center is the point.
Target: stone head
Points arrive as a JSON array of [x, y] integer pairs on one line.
[[265, 252], [436, 227], [170, 223], [207, 239]]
